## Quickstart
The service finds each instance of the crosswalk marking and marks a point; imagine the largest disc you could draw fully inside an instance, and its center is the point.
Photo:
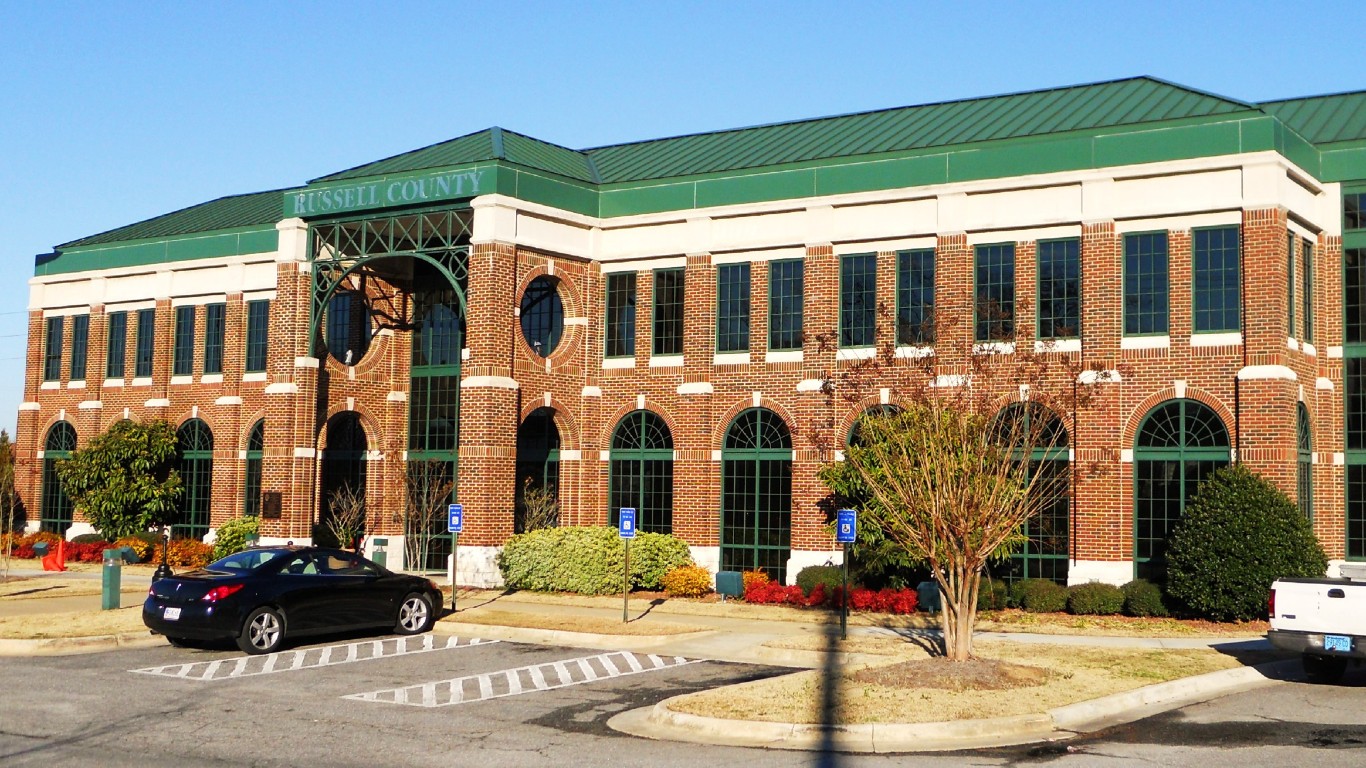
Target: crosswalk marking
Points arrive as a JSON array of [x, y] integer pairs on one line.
[[510, 682], [310, 658]]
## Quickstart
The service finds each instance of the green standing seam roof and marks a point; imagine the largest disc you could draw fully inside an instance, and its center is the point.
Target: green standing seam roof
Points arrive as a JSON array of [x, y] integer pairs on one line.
[[1324, 119], [490, 144], [254, 209]]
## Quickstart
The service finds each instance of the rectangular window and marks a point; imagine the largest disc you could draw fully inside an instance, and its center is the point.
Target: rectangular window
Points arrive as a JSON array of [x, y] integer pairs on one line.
[[80, 344], [213, 337], [1214, 271], [1059, 289], [1307, 281], [258, 332], [1290, 284], [1354, 382], [785, 293], [182, 350], [1353, 216], [668, 335], [1356, 512], [858, 300], [915, 297], [995, 310], [52, 350], [1145, 283], [1354, 294], [117, 345], [142, 353], [621, 315], [732, 308]]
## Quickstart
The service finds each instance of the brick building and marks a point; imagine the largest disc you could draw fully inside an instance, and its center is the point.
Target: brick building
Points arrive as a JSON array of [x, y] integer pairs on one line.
[[654, 324]]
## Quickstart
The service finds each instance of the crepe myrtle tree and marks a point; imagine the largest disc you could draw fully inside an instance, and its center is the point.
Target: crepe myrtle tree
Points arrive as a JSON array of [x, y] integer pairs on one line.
[[941, 469], [125, 480]]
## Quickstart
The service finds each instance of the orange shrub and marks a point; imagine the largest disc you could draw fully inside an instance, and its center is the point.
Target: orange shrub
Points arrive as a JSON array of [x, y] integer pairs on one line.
[[754, 578], [687, 581], [142, 549], [190, 553]]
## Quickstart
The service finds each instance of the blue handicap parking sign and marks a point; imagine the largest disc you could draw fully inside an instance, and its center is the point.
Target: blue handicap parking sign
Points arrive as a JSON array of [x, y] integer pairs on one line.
[[846, 526], [456, 521], [626, 524]]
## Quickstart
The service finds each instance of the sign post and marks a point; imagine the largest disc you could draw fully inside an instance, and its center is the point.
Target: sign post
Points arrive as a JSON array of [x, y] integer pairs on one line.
[[846, 530], [626, 529], [455, 521]]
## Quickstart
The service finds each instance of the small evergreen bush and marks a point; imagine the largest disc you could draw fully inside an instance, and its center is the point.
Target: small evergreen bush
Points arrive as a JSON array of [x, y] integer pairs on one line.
[[87, 538], [587, 560], [831, 576], [653, 555], [1095, 599], [1238, 535], [1143, 598], [1041, 595], [233, 535]]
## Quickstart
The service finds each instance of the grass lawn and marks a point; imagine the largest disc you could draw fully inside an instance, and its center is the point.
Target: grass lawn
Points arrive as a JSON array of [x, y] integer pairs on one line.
[[72, 624]]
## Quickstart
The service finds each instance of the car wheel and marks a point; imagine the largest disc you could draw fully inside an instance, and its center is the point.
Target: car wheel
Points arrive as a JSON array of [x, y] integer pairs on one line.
[[1324, 669], [262, 632], [415, 615]]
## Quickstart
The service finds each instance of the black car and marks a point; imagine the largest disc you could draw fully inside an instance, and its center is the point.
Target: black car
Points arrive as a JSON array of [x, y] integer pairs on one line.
[[261, 595]]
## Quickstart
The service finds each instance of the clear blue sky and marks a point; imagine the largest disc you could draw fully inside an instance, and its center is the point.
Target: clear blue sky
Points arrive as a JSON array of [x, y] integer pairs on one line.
[[113, 112]]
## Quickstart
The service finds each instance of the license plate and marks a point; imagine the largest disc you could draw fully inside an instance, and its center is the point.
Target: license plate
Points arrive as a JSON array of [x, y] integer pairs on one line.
[[171, 614], [1337, 643]]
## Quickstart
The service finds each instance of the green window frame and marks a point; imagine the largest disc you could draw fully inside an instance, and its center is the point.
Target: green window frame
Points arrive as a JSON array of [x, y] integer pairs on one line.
[[994, 280], [667, 338], [215, 316], [1354, 211], [1178, 444], [195, 454], [542, 315], [1059, 285], [538, 461], [756, 494], [116, 345], [52, 349], [145, 345], [1354, 397], [915, 297], [258, 335], [1304, 461], [1216, 301], [56, 510], [1045, 553], [1307, 287], [80, 346], [858, 300], [785, 296], [1290, 283], [251, 491], [620, 322], [1146, 284], [641, 472], [732, 307], [182, 349]]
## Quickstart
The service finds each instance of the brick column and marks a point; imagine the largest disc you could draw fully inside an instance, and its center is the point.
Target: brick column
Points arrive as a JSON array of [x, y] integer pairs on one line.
[[697, 484]]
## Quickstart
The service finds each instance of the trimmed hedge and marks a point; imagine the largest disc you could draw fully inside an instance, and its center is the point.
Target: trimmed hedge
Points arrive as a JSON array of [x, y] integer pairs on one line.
[[1040, 595], [1095, 599], [588, 560], [1143, 598], [1239, 534], [831, 576]]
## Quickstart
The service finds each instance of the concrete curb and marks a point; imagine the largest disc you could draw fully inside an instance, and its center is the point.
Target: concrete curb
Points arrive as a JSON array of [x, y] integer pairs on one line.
[[68, 646], [660, 722], [561, 636]]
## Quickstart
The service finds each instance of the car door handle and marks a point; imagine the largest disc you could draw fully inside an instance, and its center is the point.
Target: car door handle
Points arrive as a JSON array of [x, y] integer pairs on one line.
[[1336, 593]]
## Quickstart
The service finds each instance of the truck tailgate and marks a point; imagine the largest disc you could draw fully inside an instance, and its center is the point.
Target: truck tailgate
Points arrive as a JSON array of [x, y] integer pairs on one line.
[[1334, 606]]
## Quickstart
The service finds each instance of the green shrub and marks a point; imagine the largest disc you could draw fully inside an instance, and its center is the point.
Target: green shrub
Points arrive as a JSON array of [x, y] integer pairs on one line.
[[831, 576], [1095, 599], [88, 538], [992, 595], [1143, 598], [233, 535], [1239, 534], [587, 560], [1041, 595]]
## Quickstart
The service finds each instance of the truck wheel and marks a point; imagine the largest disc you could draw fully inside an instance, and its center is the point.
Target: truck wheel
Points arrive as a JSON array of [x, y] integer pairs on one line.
[[1323, 669]]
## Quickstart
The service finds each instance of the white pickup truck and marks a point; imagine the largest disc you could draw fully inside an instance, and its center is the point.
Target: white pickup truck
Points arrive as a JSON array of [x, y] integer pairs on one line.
[[1323, 620]]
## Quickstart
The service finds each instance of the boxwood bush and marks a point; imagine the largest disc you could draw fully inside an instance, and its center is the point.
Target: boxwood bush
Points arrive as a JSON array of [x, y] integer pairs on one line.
[[587, 560], [992, 595], [1238, 535], [1143, 598], [1095, 599], [831, 576], [1040, 595], [232, 535]]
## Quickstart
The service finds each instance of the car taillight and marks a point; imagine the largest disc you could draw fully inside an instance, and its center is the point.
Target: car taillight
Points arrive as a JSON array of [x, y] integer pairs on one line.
[[1271, 605], [151, 593], [218, 593]]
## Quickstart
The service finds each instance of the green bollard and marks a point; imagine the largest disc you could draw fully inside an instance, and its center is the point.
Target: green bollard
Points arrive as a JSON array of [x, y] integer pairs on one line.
[[110, 578]]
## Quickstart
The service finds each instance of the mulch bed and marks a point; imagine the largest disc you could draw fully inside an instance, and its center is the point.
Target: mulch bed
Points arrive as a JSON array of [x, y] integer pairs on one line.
[[974, 675]]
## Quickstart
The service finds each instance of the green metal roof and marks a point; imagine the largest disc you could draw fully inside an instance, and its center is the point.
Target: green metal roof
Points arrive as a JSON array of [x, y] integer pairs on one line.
[[490, 144], [1034, 113], [1324, 119], [229, 212]]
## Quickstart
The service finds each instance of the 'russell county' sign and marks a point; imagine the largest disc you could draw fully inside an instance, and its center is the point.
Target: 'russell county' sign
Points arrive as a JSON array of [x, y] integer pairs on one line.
[[382, 194]]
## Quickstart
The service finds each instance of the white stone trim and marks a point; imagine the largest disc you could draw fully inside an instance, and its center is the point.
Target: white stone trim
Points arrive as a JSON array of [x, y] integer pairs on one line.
[[993, 348], [715, 455], [695, 388], [489, 382], [1089, 376], [730, 358], [571, 454], [157, 402], [914, 353], [950, 380], [142, 381], [1126, 455], [254, 376], [1310, 349], [1339, 458], [29, 405], [178, 381], [112, 383], [591, 391], [1291, 344], [1178, 222], [1145, 342], [1260, 372], [211, 378], [1335, 351], [575, 321], [306, 362], [228, 400], [783, 356], [1229, 339], [759, 256], [282, 388], [1023, 235], [304, 452], [395, 396], [78, 384], [50, 385], [618, 362], [644, 265], [1118, 572], [1057, 345], [199, 300], [1323, 383], [666, 361], [856, 353]]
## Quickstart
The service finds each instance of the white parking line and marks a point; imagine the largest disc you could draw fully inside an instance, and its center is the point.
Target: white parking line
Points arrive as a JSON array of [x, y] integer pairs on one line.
[[511, 682], [311, 658]]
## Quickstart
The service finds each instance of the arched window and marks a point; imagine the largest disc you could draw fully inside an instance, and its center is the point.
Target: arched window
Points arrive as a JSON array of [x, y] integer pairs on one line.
[[195, 451], [756, 494], [542, 315], [256, 442], [538, 464], [855, 438], [642, 472], [1179, 443], [55, 514], [343, 463], [1037, 431], [348, 326], [1304, 463]]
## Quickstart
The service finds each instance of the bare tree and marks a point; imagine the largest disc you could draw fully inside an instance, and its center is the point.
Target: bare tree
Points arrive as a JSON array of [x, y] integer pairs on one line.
[[345, 520], [9, 499], [427, 490], [540, 506]]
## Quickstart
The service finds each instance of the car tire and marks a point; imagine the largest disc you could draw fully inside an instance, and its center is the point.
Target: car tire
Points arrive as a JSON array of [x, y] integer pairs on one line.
[[415, 615], [1323, 669], [262, 632]]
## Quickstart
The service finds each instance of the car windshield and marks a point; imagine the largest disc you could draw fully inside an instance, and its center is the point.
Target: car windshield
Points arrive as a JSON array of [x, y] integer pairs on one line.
[[247, 560]]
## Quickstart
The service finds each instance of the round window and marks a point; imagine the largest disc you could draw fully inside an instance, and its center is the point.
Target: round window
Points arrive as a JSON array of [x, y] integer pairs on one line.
[[542, 315], [348, 327]]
